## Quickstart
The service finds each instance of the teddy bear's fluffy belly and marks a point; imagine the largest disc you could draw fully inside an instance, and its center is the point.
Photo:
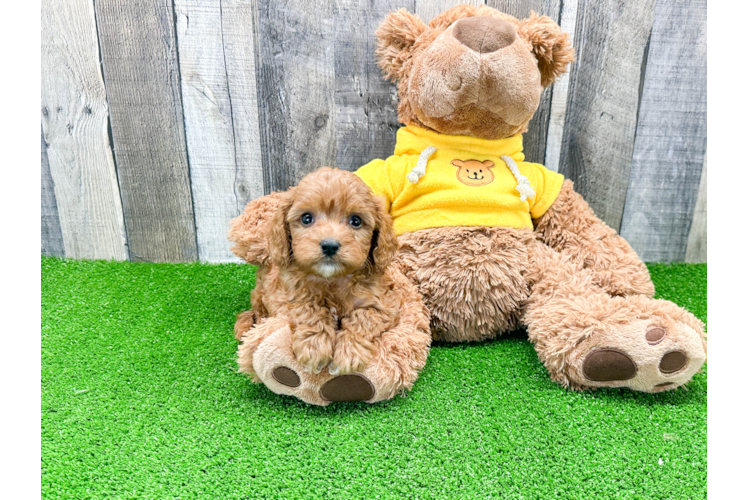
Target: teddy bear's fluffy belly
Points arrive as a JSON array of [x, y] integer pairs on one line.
[[472, 279]]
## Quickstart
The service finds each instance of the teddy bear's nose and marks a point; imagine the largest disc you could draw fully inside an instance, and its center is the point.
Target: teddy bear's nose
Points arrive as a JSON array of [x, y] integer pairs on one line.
[[484, 34]]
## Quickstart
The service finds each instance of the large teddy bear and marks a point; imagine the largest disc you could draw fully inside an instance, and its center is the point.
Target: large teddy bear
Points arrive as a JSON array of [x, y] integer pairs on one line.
[[492, 242]]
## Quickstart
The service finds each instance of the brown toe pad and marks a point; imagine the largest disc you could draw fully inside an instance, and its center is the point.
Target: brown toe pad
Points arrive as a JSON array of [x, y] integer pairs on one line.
[[286, 376], [608, 365], [655, 335], [352, 387], [673, 361]]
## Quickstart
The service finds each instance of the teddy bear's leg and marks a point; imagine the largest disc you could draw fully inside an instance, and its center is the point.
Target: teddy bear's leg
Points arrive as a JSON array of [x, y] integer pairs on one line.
[[570, 227], [266, 354], [586, 338]]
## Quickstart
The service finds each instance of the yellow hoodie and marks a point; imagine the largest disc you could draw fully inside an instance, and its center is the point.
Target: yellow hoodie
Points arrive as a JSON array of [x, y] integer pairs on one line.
[[467, 182]]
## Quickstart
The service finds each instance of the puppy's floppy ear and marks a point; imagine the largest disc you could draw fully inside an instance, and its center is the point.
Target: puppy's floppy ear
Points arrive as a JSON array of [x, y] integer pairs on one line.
[[395, 36], [249, 230], [550, 45], [383, 240], [279, 234]]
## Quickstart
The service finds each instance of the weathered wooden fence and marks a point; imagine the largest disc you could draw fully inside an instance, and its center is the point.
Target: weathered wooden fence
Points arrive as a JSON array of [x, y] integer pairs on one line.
[[162, 119]]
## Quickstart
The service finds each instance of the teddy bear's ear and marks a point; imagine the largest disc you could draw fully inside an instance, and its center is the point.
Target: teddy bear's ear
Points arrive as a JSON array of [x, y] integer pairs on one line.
[[456, 163], [488, 164], [395, 36], [550, 45]]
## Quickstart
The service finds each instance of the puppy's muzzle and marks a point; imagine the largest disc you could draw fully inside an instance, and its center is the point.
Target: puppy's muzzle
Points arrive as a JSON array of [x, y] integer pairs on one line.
[[329, 246]]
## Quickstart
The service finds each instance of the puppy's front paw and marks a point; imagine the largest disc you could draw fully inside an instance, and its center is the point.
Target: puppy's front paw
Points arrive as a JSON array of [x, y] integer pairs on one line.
[[244, 321], [313, 352], [350, 355]]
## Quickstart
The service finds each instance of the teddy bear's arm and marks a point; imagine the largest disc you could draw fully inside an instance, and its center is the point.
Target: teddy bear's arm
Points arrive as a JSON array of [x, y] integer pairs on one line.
[[376, 174], [570, 227], [248, 229]]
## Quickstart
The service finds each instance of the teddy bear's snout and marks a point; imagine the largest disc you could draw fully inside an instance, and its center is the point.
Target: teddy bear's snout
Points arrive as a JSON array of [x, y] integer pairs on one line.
[[484, 34]]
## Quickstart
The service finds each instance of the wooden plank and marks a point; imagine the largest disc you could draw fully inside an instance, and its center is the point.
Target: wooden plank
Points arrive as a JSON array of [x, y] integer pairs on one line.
[[560, 93], [52, 243], [713, 195], [74, 127], [534, 140], [216, 61], [696, 249], [428, 9], [521, 8], [239, 21], [296, 88], [703, 240], [600, 122], [365, 103], [670, 135], [139, 57]]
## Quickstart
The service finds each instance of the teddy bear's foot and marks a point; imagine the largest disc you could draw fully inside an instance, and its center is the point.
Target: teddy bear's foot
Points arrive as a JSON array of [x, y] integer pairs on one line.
[[636, 342], [645, 356], [273, 363], [351, 387]]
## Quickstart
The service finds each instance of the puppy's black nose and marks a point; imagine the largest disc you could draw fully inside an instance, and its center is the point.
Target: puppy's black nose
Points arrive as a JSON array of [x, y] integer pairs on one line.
[[329, 246]]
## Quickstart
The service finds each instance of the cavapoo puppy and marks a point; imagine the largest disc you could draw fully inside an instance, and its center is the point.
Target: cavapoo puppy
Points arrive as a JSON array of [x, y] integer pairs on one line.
[[329, 245]]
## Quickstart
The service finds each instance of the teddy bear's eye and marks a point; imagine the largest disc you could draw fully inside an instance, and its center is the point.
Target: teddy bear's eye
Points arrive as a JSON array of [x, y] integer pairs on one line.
[[481, 171], [355, 221], [468, 171], [307, 219]]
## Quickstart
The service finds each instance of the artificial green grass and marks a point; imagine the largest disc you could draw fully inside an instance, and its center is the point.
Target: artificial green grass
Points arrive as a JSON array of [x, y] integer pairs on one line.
[[141, 399]]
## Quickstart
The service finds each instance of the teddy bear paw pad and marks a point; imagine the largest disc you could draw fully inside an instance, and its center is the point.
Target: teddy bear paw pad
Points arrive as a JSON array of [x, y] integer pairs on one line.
[[607, 365], [351, 387], [673, 362], [655, 335], [286, 376]]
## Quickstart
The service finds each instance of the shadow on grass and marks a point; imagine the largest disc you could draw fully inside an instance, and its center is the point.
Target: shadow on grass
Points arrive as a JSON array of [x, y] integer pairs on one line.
[[519, 334], [692, 393], [260, 397]]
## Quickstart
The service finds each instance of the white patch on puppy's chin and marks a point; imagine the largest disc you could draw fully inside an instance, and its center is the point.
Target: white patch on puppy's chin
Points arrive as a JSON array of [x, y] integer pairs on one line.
[[327, 269]]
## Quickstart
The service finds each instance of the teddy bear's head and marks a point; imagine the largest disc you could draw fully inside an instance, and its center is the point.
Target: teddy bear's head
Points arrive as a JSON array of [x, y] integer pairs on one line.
[[473, 70]]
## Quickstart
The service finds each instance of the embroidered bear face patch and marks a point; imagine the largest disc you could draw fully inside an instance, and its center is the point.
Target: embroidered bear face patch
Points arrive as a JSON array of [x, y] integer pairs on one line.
[[474, 172]]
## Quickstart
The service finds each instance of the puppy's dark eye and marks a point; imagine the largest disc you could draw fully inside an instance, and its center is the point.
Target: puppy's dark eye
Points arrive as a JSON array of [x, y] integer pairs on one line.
[[355, 221], [307, 219]]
